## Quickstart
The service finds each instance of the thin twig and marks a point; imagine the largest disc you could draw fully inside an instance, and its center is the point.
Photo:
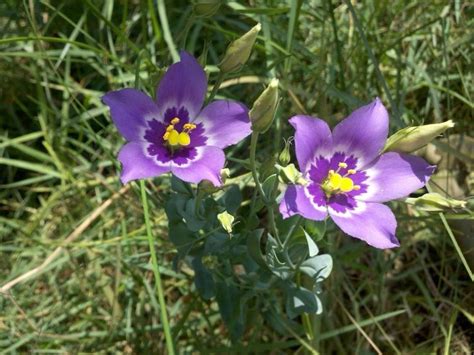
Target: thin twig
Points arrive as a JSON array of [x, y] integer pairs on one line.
[[72, 237]]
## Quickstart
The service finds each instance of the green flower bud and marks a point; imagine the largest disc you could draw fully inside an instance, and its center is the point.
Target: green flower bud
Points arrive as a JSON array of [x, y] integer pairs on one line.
[[285, 156], [239, 50], [225, 174], [410, 139], [206, 8], [264, 108], [226, 220], [290, 175], [434, 202]]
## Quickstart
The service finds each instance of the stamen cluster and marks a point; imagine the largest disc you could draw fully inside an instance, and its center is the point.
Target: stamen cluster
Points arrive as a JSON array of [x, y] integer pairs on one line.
[[175, 138], [337, 183]]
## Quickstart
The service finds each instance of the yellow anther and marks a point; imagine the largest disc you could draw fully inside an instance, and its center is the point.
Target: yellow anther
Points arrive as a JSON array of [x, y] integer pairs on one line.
[[175, 121], [356, 187], [184, 139], [346, 184], [166, 135], [334, 181], [331, 172], [169, 128], [351, 171], [342, 165], [173, 137]]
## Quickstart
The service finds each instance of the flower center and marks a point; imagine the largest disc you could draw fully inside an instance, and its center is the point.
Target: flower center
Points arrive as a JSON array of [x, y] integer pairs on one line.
[[337, 183], [178, 139]]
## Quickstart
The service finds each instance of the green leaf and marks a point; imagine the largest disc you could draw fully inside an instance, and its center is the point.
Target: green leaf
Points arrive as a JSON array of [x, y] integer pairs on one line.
[[181, 237], [318, 267], [180, 186], [316, 229], [301, 300], [232, 199], [254, 247], [268, 185], [203, 279], [312, 247]]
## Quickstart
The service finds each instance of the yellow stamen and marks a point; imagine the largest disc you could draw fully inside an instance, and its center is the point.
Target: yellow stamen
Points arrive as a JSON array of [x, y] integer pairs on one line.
[[169, 128], [342, 165], [173, 137], [351, 172], [346, 184], [166, 135], [184, 139], [356, 187], [175, 121], [334, 181]]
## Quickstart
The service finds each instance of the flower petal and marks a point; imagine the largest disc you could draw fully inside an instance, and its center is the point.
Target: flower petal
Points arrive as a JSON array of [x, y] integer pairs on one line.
[[363, 133], [298, 201], [225, 123], [129, 109], [312, 137], [373, 223], [183, 85], [206, 165], [395, 175], [136, 165]]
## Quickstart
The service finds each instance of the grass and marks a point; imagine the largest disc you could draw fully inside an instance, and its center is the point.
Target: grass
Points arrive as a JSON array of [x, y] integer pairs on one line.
[[59, 171]]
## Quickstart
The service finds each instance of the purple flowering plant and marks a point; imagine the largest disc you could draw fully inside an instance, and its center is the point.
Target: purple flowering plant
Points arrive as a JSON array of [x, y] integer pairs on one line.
[[175, 133], [349, 178], [231, 235]]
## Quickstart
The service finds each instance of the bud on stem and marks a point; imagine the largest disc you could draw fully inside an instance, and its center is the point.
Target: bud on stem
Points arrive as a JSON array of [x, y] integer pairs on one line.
[[410, 139], [238, 52], [264, 108]]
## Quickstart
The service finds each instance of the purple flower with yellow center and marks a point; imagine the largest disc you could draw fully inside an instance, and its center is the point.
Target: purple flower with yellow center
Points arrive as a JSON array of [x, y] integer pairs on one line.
[[173, 133], [348, 177]]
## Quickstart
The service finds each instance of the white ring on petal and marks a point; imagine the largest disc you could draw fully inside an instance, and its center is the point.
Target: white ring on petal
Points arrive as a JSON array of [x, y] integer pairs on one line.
[[359, 208], [313, 204]]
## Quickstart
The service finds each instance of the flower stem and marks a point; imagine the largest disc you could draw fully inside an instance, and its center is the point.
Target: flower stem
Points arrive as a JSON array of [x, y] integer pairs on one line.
[[268, 203], [216, 86], [156, 271]]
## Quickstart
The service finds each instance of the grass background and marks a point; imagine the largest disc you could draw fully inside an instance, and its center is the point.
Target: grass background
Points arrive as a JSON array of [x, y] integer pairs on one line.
[[58, 167]]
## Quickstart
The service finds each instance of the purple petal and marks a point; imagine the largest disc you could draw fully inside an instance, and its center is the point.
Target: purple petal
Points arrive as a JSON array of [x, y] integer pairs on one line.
[[129, 109], [183, 85], [298, 201], [312, 137], [206, 165], [136, 165], [225, 123], [363, 133], [394, 175], [373, 223]]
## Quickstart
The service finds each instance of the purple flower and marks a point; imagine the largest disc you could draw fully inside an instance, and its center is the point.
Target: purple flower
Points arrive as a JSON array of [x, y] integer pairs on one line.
[[348, 178], [172, 133]]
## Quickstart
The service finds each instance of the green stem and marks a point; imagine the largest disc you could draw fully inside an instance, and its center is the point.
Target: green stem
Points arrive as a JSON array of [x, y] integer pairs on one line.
[[156, 271], [268, 204], [216, 86]]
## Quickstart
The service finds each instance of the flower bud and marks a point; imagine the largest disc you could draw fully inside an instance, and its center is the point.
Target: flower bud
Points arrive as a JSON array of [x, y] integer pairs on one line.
[[434, 202], [226, 220], [290, 175], [410, 139], [225, 174], [264, 108], [285, 156], [206, 8], [239, 50]]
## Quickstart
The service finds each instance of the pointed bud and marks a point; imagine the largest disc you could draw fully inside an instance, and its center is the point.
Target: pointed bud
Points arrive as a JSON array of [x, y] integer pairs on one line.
[[206, 8], [290, 175], [225, 174], [285, 156], [264, 108], [226, 220], [239, 51], [434, 202], [410, 139]]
